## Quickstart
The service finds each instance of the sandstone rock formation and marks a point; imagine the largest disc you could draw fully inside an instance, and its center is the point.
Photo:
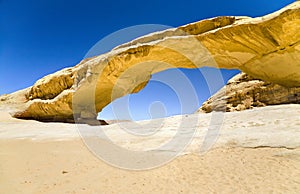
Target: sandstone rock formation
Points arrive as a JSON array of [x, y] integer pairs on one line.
[[267, 48], [244, 92]]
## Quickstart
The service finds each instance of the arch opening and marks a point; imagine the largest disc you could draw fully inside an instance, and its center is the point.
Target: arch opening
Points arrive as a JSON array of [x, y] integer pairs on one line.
[[160, 99]]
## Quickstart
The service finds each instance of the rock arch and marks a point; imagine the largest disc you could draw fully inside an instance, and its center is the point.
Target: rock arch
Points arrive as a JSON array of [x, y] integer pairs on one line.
[[267, 48]]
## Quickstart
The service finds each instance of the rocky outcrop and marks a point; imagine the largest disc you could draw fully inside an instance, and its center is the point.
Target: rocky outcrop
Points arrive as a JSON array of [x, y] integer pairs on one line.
[[267, 48], [244, 92]]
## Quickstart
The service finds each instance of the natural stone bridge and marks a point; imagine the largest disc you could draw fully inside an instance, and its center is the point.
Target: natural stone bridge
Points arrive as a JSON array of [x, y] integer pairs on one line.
[[266, 48]]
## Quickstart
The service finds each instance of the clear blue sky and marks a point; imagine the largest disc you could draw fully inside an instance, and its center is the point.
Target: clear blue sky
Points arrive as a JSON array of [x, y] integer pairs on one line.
[[38, 37]]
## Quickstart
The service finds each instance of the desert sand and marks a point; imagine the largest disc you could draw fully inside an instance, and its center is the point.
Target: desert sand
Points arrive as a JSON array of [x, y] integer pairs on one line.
[[257, 151]]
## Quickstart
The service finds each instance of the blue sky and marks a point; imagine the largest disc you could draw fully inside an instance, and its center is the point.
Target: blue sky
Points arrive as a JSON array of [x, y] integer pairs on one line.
[[38, 37]]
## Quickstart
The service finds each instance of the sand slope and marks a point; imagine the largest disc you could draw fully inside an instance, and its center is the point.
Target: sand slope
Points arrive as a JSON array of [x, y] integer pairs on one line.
[[258, 151]]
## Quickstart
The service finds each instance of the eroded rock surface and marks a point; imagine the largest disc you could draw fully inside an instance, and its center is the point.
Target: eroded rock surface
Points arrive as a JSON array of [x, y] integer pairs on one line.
[[266, 48], [244, 92]]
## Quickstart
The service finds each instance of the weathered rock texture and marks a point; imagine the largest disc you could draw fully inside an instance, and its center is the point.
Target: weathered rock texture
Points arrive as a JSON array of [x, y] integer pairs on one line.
[[267, 48], [244, 92]]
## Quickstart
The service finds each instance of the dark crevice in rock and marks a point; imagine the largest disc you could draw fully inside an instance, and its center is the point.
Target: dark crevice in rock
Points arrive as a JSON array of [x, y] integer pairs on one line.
[[265, 146]]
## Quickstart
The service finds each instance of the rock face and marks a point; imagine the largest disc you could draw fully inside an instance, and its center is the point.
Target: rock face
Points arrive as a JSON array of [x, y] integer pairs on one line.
[[244, 92], [267, 48]]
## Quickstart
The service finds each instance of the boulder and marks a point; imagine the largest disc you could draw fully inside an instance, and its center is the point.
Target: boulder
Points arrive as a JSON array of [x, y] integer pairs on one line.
[[245, 92]]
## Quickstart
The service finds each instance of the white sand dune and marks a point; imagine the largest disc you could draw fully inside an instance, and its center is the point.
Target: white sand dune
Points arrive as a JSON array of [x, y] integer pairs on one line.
[[257, 151], [273, 126]]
